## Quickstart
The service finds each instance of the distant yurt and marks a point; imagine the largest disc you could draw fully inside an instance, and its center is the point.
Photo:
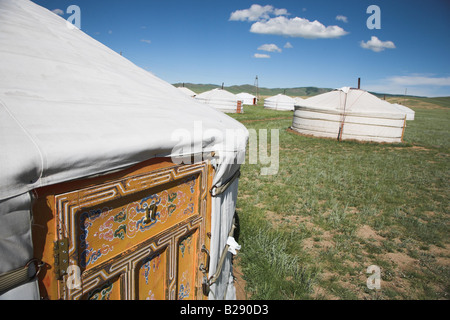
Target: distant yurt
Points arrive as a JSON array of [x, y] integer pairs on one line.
[[279, 102], [410, 114], [220, 99], [99, 179], [298, 100], [247, 98], [187, 91], [349, 114]]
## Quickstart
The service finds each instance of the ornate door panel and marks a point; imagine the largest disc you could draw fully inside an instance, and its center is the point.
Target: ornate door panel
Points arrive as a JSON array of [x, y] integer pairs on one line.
[[135, 238]]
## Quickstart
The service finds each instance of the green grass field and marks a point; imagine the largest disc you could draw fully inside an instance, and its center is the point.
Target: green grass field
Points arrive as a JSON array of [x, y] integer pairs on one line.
[[336, 208]]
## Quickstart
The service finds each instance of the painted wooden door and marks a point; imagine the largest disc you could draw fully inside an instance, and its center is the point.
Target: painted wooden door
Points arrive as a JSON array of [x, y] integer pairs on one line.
[[139, 237]]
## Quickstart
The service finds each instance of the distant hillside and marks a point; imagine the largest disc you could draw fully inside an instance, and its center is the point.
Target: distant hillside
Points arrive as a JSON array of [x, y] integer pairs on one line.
[[294, 92], [197, 88], [411, 101]]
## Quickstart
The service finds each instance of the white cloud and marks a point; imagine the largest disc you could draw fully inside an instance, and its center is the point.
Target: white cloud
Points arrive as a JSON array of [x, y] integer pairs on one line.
[[377, 45], [110, 32], [256, 12], [146, 41], [288, 45], [270, 48], [416, 84], [280, 12], [419, 81], [342, 18], [297, 27], [261, 56], [59, 12]]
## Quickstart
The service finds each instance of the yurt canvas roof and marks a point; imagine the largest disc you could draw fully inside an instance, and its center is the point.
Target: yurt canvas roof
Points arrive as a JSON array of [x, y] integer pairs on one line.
[[72, 108], [298, 100], [88, 89], [410, 114], [187, 91], [354, 101], [279, 102], [220, 99]]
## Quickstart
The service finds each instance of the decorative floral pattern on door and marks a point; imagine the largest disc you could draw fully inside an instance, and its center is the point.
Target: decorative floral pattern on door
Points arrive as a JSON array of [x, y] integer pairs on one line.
[[187, 265], [152, 277], [107, 231]]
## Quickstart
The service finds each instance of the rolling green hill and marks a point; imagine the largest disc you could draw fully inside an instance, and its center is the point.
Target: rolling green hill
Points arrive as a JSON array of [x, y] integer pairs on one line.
[[410, 101], [301, 91]]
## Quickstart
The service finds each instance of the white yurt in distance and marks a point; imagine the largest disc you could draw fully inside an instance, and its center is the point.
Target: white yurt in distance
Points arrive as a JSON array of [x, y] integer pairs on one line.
[[349, 114], [247, 98], [220, 99], [298, 100], [279, 102], [187, 91], [94, 152]]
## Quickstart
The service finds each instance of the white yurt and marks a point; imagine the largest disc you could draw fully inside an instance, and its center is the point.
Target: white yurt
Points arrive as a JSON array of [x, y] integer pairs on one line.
[[349, 114], [187, 91], [279, 102], [220, 99], [410, 114], [247, 98], [298, 100], [74, 111]]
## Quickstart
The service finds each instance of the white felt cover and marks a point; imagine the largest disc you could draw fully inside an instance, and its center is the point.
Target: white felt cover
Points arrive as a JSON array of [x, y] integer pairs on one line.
[[71, 108]]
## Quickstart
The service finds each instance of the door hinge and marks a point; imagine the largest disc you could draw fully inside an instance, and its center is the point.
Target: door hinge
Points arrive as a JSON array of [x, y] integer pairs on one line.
[[61, 255]]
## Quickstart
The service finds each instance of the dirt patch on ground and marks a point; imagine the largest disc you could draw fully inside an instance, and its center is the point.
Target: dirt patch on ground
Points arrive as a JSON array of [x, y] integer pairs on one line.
[[402, 260], [320, 293], [367, 233], [324, 241], [260, 205], [418, 148], [239, 282], [277, 219], [399, 285], [442, 255]]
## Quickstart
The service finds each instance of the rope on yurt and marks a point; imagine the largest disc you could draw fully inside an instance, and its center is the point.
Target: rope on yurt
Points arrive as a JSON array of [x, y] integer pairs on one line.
[[343, 115], [341, 128]]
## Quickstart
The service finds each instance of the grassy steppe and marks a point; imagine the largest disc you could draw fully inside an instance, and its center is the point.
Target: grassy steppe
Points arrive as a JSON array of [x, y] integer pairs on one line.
[[336, 208]]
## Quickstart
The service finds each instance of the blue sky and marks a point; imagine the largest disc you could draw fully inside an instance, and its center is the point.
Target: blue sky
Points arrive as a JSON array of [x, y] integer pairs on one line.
[[323, 43]]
